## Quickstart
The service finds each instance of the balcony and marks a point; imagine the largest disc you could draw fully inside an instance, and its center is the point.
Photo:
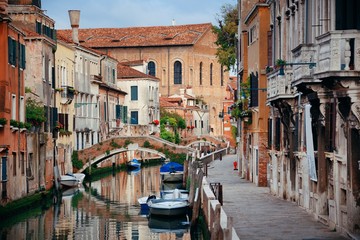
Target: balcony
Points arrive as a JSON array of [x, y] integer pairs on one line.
[[303, 58], [338, 54], [279, 86], [67, 94]]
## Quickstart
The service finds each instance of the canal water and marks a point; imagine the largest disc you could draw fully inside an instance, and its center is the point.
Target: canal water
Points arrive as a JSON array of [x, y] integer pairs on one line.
[[103, 209]]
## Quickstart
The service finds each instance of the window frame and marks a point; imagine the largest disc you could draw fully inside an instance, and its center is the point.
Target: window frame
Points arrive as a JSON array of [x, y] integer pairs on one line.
[[134, 93], [152, 68], [177, 72]]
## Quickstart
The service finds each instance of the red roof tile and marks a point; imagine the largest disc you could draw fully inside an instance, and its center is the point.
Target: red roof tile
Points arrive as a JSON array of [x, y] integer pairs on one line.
[[140, 36], [126, 72], [164, 103]]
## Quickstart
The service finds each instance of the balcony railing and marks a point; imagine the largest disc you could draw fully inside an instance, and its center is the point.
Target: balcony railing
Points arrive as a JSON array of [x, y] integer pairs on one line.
[[337, 51], [279, 86], [304, 61]]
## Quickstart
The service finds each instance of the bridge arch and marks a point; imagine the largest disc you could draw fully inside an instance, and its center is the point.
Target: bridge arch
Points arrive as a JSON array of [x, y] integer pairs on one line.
[[105, 156]]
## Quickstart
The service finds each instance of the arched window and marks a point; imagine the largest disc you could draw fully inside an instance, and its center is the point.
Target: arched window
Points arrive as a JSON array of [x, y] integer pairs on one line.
[[177, 73], [211, 74], [151, 69], [200, 73]]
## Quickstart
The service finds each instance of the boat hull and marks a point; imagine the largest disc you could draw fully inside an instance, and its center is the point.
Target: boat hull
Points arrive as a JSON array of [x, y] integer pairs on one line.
[[72, 180], [164, 207], [172, 176], [68, 181], [133, 164]]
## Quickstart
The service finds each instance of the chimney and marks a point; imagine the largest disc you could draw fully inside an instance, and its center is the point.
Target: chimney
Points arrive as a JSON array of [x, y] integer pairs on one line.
[[173, 22], [74, 21], [3, 7]]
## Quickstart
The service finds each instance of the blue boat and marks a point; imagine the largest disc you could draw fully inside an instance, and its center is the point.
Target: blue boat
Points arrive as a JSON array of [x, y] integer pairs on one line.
[[134, 164], [172, 172]]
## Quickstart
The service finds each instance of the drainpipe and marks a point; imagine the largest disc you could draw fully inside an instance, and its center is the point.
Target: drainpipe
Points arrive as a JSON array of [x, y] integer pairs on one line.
[[18, 100], [306, 21]]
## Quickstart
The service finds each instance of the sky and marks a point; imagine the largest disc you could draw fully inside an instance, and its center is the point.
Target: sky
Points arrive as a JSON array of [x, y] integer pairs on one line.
[[134, 13]]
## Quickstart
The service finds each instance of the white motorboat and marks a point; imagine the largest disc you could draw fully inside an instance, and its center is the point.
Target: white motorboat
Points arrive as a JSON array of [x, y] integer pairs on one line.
[[72, 179], [171, 203], [175, 194], [168, 207]]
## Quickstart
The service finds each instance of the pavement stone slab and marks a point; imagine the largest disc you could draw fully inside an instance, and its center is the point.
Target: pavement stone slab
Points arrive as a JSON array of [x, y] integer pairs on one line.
[[257, 214]]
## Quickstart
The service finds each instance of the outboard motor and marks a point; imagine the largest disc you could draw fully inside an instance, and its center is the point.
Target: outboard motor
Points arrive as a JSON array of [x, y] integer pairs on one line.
[[150, 197]]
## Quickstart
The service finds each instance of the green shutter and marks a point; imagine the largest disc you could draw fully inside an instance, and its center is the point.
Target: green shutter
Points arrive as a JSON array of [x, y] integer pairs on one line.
[[118, 111], [14, 47], [10, 50], [22, 56], [124, 114]]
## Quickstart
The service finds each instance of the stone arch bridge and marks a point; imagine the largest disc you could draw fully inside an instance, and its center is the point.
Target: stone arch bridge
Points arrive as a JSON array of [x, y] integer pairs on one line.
[[108, 148]]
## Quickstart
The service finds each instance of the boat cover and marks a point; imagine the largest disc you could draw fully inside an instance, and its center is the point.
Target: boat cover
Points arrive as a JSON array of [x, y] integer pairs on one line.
[[172, 167]]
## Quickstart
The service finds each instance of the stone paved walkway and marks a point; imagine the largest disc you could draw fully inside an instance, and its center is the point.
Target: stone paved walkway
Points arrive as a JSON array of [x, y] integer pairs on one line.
[[259, 215]]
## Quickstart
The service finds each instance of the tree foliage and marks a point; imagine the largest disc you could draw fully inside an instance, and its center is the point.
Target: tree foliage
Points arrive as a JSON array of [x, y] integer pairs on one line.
[[173, 120], [226, 34]]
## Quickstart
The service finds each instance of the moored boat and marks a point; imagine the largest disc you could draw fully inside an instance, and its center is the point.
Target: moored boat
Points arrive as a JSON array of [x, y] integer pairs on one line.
[[168, 207], [172, 172], [143, 201], [175, 194], [72, 179], [134, 164]]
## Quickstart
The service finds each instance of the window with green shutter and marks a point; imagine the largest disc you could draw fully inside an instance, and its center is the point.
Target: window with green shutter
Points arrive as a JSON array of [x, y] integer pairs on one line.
[[22, 56], [12, 51], [134, 93], [38, 27], [124, 114]]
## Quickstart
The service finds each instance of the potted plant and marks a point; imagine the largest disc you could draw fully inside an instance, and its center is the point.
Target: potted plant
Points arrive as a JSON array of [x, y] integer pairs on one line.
[[156, 122], [269, 69], [280, 63], [59, 125]]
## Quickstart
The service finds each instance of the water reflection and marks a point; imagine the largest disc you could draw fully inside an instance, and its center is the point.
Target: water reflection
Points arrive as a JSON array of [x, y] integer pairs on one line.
[[104, 209]]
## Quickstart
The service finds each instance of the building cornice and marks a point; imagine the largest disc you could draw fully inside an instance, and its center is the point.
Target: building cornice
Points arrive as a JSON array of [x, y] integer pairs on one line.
[[254, 10]]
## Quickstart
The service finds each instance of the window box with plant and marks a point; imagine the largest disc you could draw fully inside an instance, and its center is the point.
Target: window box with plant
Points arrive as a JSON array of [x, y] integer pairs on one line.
[[3, 122], [59, 89], [22, 126], [63, 132], [14, 125]]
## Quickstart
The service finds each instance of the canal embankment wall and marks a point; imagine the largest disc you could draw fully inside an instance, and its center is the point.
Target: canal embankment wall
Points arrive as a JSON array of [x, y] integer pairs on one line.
[[219, 224]]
